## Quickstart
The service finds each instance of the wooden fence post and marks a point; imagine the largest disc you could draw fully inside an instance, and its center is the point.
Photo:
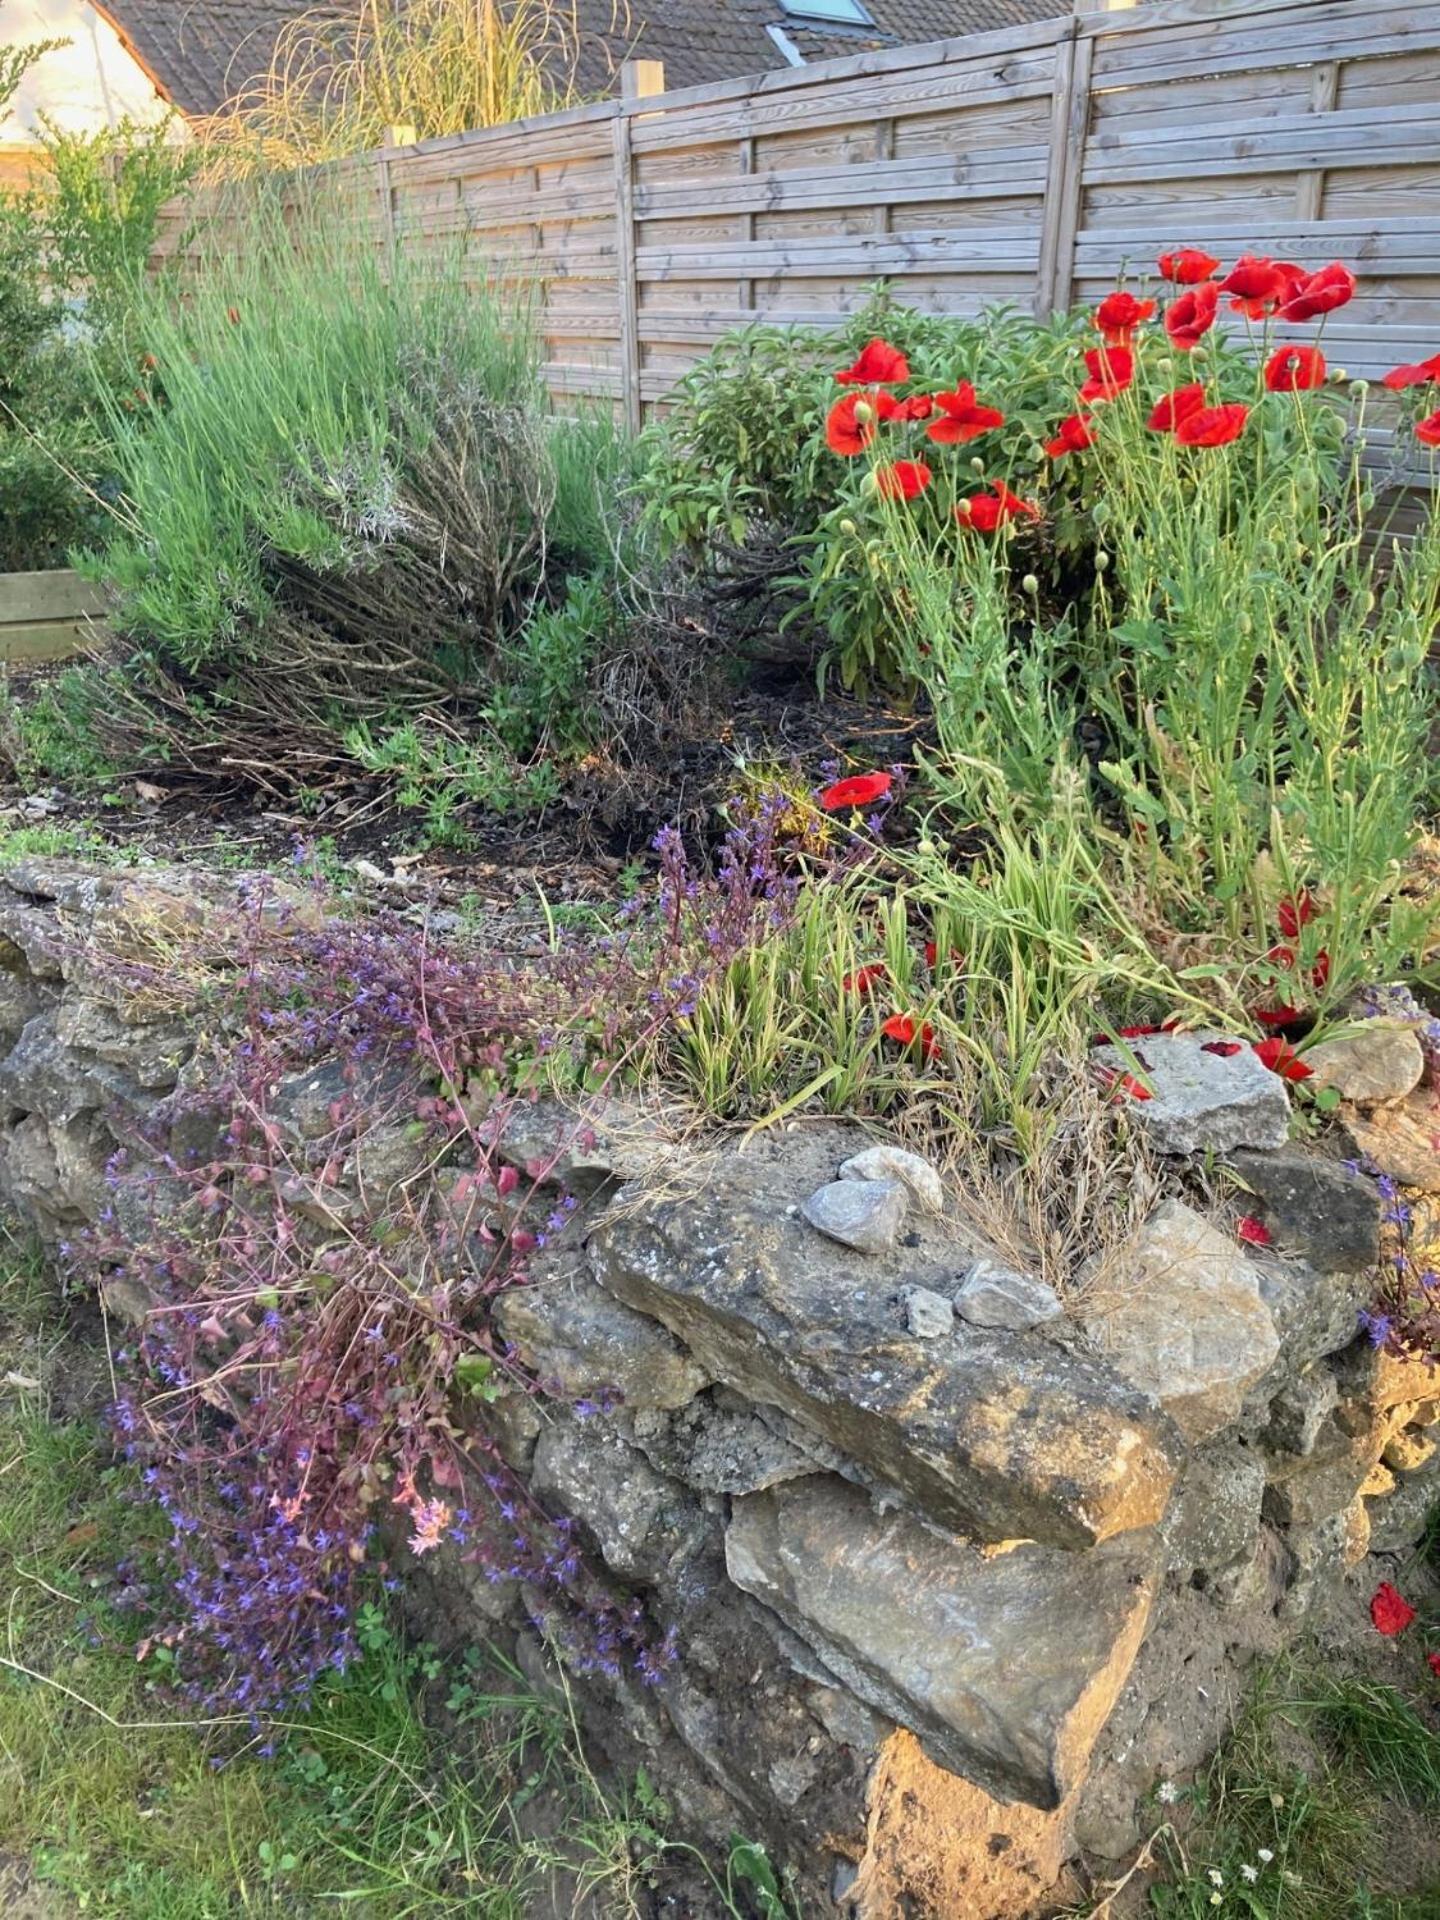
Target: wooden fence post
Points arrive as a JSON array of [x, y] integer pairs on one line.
[[1064, 173], [639, 80], [395, 136]]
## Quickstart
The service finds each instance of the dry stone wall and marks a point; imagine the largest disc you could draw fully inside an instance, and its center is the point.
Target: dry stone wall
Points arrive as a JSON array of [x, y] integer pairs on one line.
[[956, 1575]]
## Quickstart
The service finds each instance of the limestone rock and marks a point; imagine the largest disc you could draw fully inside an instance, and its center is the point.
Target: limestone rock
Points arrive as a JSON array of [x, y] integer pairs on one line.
[[928, 1315], [1317, 1207], [996, 1296], [1407, 1450], [21, 998], [1402, 1138], [1301, 1409], [939, 1845], [588, 1149], [864, 1214], [1380, 1062], [42, 1075], [1202, 1102], [1306, 1490], [644, 1522], [578, 1335], [895, 1163], [720, 1444], [1314, 1313], [1004, 1666], [998, 1436], [1214, 1519], [1188, 1325], [1399, 1520]]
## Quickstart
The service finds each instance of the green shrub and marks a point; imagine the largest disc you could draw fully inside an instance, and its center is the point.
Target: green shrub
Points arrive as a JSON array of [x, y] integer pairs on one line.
[[349, 508]]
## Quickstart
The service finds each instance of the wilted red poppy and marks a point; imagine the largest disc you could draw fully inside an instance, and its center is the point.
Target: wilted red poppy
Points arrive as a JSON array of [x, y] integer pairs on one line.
[[1390, 1611], [148, 363], [1118, 315], [1253, 1232], [1432, 1660], [962, 418], [986, 511], [932, 954], [1172, 408], [1213, 426], [851, 423], [1427, 431], [1120, 1084], [1280, 1057], [866, 979], [1077, 431], [919, 406], [1187, 267], [857, 791], [902, 479], [879, 364], [232, 314], [1414, 375], [1296, 911], [1111, 371], [1190, 318], [1222, 1049], [1331, 287], [907, 1032], [1295, 369]]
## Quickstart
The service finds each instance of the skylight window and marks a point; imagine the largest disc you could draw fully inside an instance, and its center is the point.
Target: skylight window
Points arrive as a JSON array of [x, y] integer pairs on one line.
[[850, 12]]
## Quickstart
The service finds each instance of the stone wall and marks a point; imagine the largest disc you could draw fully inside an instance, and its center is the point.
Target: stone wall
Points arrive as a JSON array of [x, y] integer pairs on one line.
[[957, 1574]]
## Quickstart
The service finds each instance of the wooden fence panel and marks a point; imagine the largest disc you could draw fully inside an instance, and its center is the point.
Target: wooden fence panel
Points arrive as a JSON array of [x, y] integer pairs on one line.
[[1036, 165]]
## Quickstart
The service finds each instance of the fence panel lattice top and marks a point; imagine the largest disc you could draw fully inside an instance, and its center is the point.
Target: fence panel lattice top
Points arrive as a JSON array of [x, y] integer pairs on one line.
[[1031, 166]]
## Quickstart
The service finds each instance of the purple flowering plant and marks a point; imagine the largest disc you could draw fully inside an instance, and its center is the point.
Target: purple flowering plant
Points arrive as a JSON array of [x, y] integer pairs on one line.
[[315, 1280]]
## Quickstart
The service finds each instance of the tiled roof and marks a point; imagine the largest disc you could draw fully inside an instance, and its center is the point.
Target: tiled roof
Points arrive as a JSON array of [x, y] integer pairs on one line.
[[202, 52]]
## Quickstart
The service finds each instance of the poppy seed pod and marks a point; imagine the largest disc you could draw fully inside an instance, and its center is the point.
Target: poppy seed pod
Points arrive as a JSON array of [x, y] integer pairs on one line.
[[848, 528], [977, 465], [1030, 584], [1102, 560]]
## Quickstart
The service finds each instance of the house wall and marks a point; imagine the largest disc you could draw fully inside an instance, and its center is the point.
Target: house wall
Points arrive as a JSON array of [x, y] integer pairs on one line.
[[91, 83]]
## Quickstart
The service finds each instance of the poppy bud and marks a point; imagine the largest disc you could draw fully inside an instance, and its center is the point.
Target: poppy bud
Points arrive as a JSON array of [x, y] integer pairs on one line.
[[870, 483], [1166, 365], [848, 527], [1102, 560], [1339, 376], [1361, 386], [1370, 602], [1030, 584], [926, 846], [864, 413], [977, 465], [962, 510], [1245, 623]]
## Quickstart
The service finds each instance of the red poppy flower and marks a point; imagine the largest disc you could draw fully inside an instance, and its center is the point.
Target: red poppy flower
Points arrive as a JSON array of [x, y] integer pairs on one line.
[[866, 979], [859, 790], [1257, 284], [851, 423], [879, 364], [907, 1032], [1280, 1057], [1296, 911], [1172, 408], [1414, 375], [962, 417], [148, 363], [1295, 369], [1427, 431], [1213, 426], [1120, 1084], [1331, 287], [1253, 1232], [1432, 1660], [1320, 972], [1111, 371], [1190, 318], [1077, 431], [1118, 315], [932, 954], [1222, 1049], [1187, 267], [902, 479], [984, 512], [1390, 1611], [919, 406]]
